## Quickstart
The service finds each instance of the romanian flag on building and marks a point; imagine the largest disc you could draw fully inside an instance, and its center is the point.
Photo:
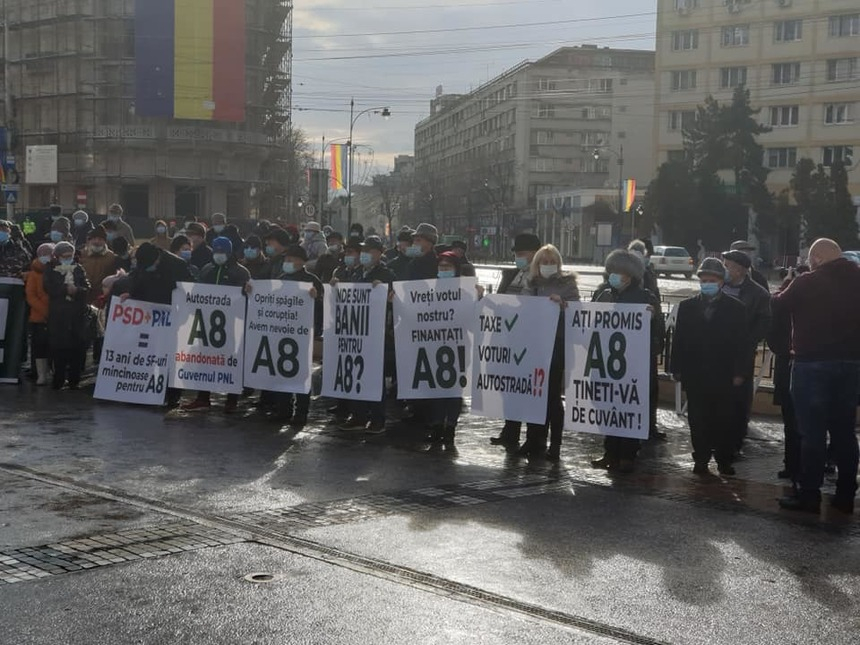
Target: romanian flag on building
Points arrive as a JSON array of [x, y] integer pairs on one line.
[[339, 166], [629, 194], [190, 59]]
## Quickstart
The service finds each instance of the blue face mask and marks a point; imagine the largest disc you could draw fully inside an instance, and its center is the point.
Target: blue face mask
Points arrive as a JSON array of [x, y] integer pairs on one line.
[[447, 274], [56, 236], [80, 222], [4, 237], [309, 235], [710, 289], [113, 218], [366, 259], [616, 281], [218, 228], [185, 254], [413, 251], [522, 263], [252, 254], [111, 236], [271, 251], [161, 230], [66, 261], [288, 267], [349, 260], [45, 259], [219, 258]]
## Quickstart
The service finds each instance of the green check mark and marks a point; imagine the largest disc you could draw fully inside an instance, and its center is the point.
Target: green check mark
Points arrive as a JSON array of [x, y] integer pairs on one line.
[[513, 321], [519, 359]]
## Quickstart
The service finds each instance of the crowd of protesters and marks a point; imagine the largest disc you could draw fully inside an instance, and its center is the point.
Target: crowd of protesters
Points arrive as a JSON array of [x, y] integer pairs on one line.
[[811, 323]]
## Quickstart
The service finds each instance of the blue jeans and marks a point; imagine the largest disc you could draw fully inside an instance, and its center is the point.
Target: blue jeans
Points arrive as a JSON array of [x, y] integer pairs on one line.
[[825, 400]]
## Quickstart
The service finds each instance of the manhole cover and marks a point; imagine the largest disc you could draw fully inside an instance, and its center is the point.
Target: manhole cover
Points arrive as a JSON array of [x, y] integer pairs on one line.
[[262, 578]]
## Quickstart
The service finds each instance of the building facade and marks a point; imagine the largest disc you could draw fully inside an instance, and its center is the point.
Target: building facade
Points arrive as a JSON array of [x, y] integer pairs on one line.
[[71, 78], [800, 59], [482, 158]]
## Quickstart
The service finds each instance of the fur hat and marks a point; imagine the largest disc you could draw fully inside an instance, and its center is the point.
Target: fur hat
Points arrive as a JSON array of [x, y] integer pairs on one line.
[[405, 234], [62, 224], [712, 266], [738, 257], [624, 262], [45, 249], [428, 232]]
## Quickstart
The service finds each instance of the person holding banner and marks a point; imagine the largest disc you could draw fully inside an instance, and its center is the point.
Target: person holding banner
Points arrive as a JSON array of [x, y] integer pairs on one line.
[[201, 253], [38, 301], [515, 282], [397, 260], [547, 279], [624, 276], [68, 289], [224, 271], [277, 240], [254, 259], [423, 265]]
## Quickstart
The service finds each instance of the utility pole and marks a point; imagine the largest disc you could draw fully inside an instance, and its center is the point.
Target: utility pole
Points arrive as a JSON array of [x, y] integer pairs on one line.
[[7, 96]]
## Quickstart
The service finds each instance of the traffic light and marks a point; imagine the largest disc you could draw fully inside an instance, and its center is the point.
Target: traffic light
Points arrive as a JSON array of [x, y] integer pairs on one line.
[[486, 242]]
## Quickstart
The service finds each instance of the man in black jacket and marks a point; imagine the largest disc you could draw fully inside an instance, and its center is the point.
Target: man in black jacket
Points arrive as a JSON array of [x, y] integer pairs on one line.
[[749, 250], [424, 265], [397, 260], [201, 253], [709, 353]]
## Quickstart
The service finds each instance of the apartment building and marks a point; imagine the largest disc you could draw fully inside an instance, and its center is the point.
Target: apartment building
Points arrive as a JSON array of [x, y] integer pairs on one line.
[[800, 60], [484, 156]]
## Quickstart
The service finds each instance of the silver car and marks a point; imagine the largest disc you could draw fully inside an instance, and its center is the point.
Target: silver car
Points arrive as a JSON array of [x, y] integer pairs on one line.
[[672, 259]]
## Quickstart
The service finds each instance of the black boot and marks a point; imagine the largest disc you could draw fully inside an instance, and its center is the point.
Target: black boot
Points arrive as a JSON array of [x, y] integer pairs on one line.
[[806, 502], [435, 435]]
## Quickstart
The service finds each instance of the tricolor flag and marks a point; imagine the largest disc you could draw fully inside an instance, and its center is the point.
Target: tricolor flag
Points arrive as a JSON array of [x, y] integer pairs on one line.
[[339, 166], [629, 194], [190, 59]]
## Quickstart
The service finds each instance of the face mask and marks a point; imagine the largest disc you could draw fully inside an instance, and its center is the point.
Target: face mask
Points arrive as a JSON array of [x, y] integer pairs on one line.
[[97, 249], [111, 236], [45, 259], [334, 249], [271, 251], [288, 268], [4, 237], [615, 280], [219, 258], [366, 259], [113, 218], [521, 263], [54, 218], [309, 235], [56, 236], [80, 222], [252, 254], [710, 289], [185, 254], [349, 260], [413, 251], [548, 270], [447, 274], [161, 230], [66, 261], [218, 228]]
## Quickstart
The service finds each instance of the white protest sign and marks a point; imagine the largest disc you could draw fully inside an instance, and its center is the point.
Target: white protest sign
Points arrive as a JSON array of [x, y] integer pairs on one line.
[[209, 321], [433, 322], [607, 368], [354, 341], [514, 337], [135, 361], [279, 332]]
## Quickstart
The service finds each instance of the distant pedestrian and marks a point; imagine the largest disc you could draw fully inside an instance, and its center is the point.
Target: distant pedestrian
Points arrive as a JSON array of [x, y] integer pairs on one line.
[[39, 304], [123, 228], [162, 238]]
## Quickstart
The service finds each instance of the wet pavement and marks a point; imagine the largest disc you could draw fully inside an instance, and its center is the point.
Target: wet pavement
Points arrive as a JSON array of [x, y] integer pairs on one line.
[[123, 524]]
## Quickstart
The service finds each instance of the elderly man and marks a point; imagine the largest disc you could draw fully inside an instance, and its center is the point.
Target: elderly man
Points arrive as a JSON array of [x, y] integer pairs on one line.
[[757, 302], [825, 378], [749, 250], [709, 354], [115, 213]]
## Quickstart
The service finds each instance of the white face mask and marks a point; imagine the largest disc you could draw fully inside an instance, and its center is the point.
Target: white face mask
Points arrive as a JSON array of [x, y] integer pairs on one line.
[[548, 270]]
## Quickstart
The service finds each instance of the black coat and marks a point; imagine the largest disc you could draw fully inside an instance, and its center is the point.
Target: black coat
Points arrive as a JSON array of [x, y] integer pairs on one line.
[[708, 354], [157, 286], [425, 267], [67, 315], [201, 256], [231, 274], [399, 266], [304, 276]]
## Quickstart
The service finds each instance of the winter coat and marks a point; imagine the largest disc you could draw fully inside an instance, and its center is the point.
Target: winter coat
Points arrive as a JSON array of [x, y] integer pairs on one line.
[[80, 233], [514, 282], [425, 267], [259, 269], [467, 269], [37, 297], [563, 285], [757, 303], [201, 256], [232, 234], [156, 286], [315, 246], [326, 265], [161, 241], [709, 353], [123, 229], [98, 267], [67, 315], [14, 260], [779, 341], [231, 274], [304, 276], [399, 266]]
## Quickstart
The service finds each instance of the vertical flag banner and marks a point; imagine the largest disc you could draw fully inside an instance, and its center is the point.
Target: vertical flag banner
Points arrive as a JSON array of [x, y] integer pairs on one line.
[[607, 369], [433, 322], [339, 161], [514, 339], [190, 59], [629, 194], [279, 334]]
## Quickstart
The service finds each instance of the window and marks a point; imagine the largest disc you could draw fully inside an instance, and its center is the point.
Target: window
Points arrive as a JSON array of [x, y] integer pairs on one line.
[[545, 137], [841, 69], [596, 113], [787, 31], [844, 154], [546, 85], [786, 73], [837, 113], [847, 25], [682, 5], [595, 138], [733, 76], [600, 85], [781, 157], [684, 80], [736, 36], [684, 40], [681, 119], [784, 116]]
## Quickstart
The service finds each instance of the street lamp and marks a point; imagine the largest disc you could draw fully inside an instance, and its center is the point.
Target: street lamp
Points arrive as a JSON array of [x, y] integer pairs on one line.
[[386, 114]]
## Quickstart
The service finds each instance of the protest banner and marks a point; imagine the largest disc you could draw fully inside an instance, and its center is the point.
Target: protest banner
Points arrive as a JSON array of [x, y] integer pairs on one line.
[[514, 337], [13, 328], [279, 332], [354, 341], [607, 366], [135, 360], [209, 321], [433, 323]]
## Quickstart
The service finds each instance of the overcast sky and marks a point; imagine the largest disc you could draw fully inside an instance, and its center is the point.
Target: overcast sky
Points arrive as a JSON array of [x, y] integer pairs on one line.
[[395, 52]]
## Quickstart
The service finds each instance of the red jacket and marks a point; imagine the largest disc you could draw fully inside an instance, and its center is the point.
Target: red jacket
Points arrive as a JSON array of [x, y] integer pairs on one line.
[[35, 291]]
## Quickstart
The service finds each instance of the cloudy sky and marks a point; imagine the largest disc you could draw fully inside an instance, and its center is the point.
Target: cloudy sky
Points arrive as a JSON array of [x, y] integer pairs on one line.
[[396, 52]]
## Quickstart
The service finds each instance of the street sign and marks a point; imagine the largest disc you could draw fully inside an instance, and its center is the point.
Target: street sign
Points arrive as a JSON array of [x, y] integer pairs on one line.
[[310, 210], [10, 188], [11, 197], [10, 161], [41, 165]]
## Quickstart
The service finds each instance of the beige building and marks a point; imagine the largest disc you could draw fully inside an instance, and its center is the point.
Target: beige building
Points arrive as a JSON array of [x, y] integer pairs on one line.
[[482, 158], [800, 60]]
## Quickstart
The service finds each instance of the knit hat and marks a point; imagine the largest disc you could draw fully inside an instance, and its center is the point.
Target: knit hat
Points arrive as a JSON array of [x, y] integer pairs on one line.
[[373, 243], [296, 251], [97, 233], [428, 232], [712, 266], [147, 253], [626, 263], [222, 245], [45, 249], [62, 248], [195, 228], [526, 242], [738, 257], [81, 215], [313, 226], [62, 224], [219, 218], [741, 245], [254, 242]]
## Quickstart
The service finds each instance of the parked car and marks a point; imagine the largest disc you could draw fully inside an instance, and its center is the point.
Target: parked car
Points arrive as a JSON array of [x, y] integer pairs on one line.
[[672, 259]]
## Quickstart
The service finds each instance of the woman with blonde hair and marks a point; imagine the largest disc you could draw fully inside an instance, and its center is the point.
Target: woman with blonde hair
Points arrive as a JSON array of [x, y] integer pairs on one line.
[[548, 279]]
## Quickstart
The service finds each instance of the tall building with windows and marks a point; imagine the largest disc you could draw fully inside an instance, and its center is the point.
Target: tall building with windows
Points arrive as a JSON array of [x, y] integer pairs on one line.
[[800, 60]]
